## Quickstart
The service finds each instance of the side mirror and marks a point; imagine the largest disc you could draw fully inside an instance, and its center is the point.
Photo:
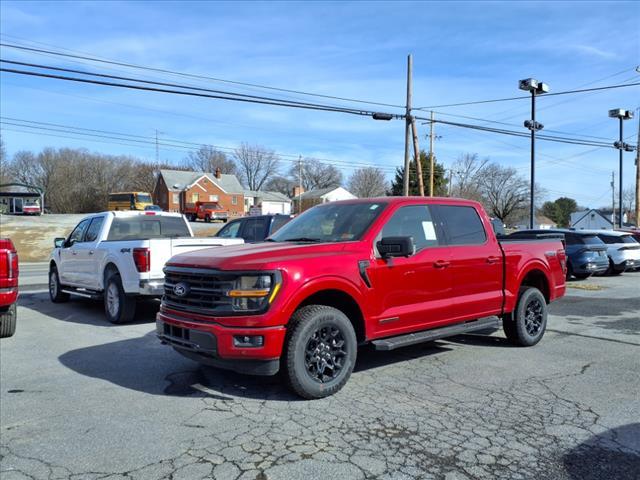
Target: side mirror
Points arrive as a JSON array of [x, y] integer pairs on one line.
[[396, 247], [59, 242]]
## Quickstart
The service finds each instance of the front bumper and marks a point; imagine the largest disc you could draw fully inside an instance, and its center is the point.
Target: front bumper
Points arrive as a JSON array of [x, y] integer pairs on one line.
[[213, 344]]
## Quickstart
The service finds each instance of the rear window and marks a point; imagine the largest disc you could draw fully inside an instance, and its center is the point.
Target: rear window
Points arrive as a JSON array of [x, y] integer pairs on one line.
[[254, 229], [591, 240], [143, 227], [463, 225], [627, 239], [278, 222]]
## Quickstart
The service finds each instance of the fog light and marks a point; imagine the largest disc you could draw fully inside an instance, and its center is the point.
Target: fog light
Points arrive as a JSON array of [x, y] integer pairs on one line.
[[248, 341]]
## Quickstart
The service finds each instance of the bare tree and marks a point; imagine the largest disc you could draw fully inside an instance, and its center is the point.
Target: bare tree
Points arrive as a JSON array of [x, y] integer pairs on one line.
[[315, 175], [208, 159], [368, 182], [256, 165], [504, 192], [467, 172], [281, 184]]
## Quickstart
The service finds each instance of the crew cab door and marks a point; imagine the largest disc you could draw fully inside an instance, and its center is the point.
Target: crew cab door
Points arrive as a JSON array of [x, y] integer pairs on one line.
[[87, 256], [411, 293], [68, 268], [476, 262]]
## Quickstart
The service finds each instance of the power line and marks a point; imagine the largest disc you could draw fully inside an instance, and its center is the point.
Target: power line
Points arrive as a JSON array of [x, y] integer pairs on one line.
[[551, 138], [281, 103], [165, 142], [202, 77], [508, 99]]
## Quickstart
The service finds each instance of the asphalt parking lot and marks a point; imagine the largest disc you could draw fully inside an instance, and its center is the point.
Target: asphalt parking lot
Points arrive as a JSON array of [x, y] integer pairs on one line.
[[81, 398]]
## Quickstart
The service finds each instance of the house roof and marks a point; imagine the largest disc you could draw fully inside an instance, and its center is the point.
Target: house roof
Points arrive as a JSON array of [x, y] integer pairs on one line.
[[267, 196], [318, 193], [179, 180], [577, 216]]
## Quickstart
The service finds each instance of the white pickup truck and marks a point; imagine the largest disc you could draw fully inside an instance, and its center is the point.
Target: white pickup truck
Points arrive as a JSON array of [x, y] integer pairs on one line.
[[118, 256]]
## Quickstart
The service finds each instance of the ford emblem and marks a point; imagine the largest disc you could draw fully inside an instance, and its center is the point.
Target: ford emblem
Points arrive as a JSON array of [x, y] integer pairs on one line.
[[181, 289]]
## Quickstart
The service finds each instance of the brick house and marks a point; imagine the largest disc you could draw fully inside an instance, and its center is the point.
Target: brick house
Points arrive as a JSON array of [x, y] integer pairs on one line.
[[175, 188]]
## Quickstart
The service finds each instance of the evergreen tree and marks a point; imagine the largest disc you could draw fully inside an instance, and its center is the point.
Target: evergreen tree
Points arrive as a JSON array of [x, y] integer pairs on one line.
[[439, 179]]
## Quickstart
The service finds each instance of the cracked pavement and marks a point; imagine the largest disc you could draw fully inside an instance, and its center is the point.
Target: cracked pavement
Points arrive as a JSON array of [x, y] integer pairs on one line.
[[80, 398]]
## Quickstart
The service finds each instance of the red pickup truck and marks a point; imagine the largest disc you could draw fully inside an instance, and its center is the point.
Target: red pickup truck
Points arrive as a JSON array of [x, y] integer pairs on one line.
[[207, 211], [8, 287], [387, 271]]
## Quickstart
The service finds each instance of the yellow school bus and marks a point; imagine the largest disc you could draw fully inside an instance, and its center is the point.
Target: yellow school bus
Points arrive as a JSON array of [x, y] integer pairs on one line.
[[129, 200]]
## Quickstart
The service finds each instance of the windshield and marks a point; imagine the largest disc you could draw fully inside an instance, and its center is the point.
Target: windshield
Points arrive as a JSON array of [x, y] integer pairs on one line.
[[143, 198], [332, 222]]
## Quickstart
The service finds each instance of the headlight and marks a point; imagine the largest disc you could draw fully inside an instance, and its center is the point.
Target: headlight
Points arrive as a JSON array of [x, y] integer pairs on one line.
[[253, 292]]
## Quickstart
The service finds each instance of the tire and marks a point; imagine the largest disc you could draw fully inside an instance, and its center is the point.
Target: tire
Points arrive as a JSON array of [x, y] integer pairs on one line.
[[55, 287], [526, 325], [207, 219], [569, 271], [118, 307], [8, 322], [321, 331]]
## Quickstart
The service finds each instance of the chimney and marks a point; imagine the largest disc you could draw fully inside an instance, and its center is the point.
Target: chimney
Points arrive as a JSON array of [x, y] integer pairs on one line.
[[297, 191], [218, 172]]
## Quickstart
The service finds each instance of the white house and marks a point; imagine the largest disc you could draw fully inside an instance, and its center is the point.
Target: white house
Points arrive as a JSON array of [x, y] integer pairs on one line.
[[266, 203], [590, 220], [325, 195], [541, 223]]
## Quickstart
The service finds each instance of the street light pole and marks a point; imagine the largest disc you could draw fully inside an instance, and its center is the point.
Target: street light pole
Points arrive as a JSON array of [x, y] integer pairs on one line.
[[535, 87], [621, 207], [533, 161], [621, 115]]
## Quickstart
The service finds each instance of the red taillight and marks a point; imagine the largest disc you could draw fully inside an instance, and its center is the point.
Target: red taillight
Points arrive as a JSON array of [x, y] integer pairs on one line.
[[142, 259], [8, 263]]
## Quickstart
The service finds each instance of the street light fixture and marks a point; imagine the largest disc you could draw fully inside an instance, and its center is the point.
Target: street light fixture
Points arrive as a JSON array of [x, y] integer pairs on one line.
[[622, 115], [536, 88]]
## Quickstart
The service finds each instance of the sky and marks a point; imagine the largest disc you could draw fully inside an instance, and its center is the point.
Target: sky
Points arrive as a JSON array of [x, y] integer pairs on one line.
[[462, 51]]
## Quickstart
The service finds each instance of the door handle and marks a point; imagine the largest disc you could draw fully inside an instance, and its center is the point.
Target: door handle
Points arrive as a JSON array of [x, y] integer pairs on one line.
[[441, 264], [493, 259]]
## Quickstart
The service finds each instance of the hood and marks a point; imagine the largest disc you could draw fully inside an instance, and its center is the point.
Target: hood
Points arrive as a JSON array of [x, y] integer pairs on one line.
[[260, 256]]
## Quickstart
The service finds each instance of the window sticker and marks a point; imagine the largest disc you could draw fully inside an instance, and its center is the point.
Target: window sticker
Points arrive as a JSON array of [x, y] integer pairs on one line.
[[373, 207], [429, 230]]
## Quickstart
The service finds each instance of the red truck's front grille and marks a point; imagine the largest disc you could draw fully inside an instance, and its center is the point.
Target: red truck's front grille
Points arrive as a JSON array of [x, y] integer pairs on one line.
[[198, 290]]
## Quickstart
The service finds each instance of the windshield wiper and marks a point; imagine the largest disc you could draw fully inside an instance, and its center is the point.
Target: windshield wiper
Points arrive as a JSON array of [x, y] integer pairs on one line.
[[302, 239]]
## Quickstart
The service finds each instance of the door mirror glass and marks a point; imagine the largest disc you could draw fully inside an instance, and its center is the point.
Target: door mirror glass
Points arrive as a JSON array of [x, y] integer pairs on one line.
[[59, 242], [396, 247]]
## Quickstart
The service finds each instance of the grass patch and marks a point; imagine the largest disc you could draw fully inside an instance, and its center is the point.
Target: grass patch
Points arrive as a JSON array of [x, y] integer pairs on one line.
[[585, 286]]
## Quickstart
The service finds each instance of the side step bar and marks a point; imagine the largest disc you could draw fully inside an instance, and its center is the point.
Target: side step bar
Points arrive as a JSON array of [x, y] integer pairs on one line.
[[392, 343], [83, 293]]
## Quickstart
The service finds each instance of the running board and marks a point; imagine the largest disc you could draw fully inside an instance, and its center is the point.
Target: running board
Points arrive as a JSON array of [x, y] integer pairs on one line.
[[83, 293], [391, 343]]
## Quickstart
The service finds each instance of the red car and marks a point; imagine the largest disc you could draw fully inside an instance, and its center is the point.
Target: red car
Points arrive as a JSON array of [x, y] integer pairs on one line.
[[8, 287], [391, 271]]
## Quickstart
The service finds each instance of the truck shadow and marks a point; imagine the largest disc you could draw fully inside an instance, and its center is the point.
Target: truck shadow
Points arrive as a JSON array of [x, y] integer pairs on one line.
[[85, 311], [614, 454], [144, 364]]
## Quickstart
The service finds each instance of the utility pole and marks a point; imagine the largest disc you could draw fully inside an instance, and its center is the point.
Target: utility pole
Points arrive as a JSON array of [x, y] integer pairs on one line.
[[613, 199], [431, 161], [638, 174], [157, 146], [416, 151], [299, 184], [407, 125]]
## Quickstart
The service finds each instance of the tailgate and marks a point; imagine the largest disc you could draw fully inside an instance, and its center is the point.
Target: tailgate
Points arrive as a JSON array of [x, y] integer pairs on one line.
[[162, 249]]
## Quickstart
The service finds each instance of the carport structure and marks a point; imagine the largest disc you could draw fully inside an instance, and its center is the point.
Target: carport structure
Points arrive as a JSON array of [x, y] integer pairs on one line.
[[11, 202]]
